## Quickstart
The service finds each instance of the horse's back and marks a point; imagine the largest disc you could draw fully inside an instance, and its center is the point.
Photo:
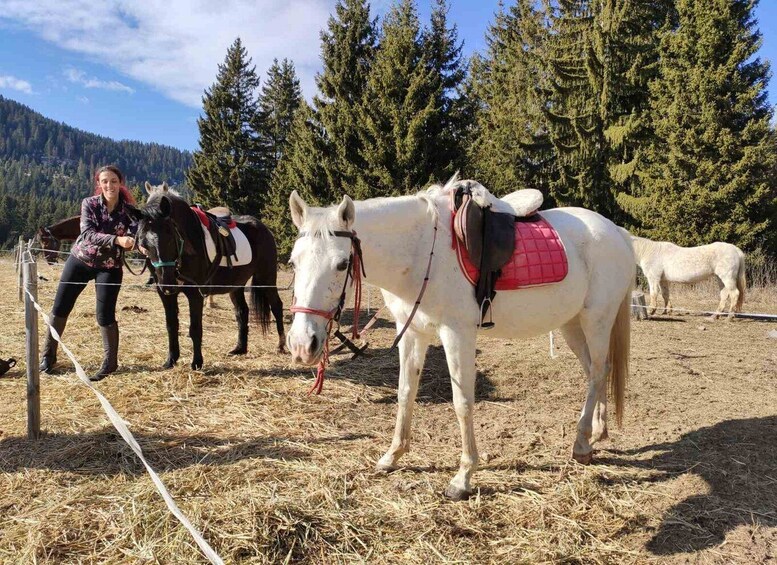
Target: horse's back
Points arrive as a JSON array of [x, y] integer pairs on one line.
[[600, 270], [694, 264]]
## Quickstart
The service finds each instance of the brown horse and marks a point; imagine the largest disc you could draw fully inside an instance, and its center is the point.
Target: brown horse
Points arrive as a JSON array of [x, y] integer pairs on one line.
[[171, 233], [50, 238]]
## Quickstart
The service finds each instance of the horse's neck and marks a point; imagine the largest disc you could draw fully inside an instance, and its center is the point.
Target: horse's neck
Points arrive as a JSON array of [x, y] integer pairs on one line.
[[394, 233], [66, 229]]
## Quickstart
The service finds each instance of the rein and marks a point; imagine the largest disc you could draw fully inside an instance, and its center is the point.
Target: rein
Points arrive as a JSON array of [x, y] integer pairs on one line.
[[355, 272]]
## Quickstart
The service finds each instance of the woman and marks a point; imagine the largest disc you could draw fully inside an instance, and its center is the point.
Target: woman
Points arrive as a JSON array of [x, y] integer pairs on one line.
[[106, 231]]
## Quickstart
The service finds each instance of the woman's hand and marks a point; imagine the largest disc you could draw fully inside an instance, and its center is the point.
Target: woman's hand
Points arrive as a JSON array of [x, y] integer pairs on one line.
[[125, 241]]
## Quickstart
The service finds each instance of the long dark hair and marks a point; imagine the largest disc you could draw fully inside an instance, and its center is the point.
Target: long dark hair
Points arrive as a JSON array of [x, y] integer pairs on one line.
[[125, 193]]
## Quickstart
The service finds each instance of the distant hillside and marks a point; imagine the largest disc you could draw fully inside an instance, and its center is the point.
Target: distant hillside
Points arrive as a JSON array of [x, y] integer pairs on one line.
[[46, 167]]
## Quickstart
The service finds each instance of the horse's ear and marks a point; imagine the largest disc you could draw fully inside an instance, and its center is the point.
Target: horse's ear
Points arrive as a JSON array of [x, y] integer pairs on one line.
[[165, 188], [346, 212], [165, 207], [149, 188], [298, 209]]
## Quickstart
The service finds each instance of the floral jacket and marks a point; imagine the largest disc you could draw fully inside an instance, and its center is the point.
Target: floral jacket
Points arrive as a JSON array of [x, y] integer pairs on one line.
[[96, 246]]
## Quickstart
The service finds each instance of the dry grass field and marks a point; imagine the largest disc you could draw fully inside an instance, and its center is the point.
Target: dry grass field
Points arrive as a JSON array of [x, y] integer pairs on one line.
[[270, 475]]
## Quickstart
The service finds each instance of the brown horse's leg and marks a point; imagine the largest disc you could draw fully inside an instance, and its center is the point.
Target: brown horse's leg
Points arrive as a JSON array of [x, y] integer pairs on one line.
[[276, 305], [170, 303], [238, 298], [196, 303]]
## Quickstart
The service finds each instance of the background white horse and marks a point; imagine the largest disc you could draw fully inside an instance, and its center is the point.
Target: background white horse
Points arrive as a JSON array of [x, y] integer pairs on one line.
[[664, 262], [591, 305]]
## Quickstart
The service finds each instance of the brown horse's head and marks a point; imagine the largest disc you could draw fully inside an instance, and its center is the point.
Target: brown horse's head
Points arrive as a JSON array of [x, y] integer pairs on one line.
[[49, 244]]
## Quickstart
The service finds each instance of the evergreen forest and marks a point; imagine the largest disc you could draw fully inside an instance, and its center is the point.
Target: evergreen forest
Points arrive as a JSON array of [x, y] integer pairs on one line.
[[654, 114]]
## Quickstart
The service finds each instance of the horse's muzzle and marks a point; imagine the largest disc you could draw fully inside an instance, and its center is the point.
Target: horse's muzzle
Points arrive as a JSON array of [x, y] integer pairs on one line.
[[305, 351]]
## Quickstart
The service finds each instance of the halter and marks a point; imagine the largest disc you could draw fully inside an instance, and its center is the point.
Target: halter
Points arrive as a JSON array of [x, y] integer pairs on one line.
[[174, 263], [355, 272]]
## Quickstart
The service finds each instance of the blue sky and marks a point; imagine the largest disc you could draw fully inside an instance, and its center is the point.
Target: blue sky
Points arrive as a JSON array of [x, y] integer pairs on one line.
[[136, 69]]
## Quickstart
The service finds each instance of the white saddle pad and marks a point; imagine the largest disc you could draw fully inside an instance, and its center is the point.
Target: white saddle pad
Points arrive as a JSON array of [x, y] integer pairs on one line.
[[243, 248]]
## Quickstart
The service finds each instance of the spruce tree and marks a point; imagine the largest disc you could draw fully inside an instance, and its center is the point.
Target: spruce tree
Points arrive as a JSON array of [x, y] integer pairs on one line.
[[230, 168], [510, 147], [397, 110], [448, 127], [300, 169], [574, 84], [709, 176], [281, 96], [347, 52]]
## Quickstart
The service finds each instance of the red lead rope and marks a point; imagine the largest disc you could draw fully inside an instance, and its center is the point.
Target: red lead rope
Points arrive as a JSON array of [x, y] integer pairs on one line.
[[356, 272]]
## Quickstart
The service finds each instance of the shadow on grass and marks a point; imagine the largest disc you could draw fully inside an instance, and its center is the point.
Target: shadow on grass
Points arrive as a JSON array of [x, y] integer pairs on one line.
[[737, 459], [104, 452]]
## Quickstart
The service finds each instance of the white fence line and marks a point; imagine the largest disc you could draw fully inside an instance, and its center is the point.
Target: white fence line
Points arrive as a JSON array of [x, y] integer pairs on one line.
[[123, 430]]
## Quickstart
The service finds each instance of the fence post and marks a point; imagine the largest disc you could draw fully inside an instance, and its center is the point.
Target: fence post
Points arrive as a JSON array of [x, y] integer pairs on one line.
[[30, 270], [20, 280]]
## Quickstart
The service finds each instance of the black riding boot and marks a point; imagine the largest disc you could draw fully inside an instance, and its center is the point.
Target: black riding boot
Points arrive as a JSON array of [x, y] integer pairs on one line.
[[110, 351], [49, 353]]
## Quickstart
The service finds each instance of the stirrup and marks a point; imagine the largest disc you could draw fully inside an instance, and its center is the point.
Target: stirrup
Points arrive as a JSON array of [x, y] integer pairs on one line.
[[483, 309]]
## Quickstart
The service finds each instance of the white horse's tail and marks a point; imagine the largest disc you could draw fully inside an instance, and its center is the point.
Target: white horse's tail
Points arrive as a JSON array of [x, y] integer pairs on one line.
[[741, 282], [620, 345]]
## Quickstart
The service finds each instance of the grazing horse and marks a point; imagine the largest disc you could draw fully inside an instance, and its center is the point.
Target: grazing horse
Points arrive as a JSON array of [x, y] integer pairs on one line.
[[663, 262], [172, 235], [51, 237], [590, 305]]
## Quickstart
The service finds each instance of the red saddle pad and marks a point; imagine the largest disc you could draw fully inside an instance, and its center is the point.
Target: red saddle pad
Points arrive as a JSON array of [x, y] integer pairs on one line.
[[539, 257], [205, 221]]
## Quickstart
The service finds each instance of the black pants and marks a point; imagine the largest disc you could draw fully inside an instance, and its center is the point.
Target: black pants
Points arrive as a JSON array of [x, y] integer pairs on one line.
[[75, 277]]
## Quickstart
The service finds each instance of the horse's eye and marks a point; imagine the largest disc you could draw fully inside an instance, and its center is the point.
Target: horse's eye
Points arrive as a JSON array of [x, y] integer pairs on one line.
[[342, 265], [292, 264]]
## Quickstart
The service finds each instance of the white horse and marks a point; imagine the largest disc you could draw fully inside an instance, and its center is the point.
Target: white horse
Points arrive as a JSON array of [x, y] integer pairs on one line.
[[663, 262], [591, 305]]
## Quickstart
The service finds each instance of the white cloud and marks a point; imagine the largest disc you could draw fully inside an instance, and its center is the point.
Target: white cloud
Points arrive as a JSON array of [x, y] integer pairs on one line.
[[176, 45], [82, 99], [79, 77], [13, 83]]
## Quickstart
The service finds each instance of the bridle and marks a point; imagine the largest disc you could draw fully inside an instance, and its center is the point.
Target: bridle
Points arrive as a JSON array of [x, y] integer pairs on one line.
[[354, 272]]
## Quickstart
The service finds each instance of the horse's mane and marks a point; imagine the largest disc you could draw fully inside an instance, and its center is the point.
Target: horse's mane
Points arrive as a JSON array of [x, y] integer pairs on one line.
[[154, 200]]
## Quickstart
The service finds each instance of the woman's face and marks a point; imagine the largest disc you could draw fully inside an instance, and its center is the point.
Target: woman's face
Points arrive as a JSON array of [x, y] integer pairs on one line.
[[109, 183]]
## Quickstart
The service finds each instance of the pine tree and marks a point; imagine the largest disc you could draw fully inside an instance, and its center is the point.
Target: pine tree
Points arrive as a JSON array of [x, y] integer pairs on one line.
[[711, 163], [397, 110], [299, 169], [574, 114], [447, 128], [510, 148], [347, 52], [281, 96], [230, 167]]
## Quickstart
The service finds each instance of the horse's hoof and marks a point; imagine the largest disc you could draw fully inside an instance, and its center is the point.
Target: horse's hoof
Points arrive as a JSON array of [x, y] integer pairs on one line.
[[583, 458], [169, 364], [384, 468], [197, 365], [456, 493], [239, 351], [281, 349]]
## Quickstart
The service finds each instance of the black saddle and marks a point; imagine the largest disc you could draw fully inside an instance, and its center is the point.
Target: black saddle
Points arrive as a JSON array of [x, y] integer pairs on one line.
[[489, 238], [219, 221]]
